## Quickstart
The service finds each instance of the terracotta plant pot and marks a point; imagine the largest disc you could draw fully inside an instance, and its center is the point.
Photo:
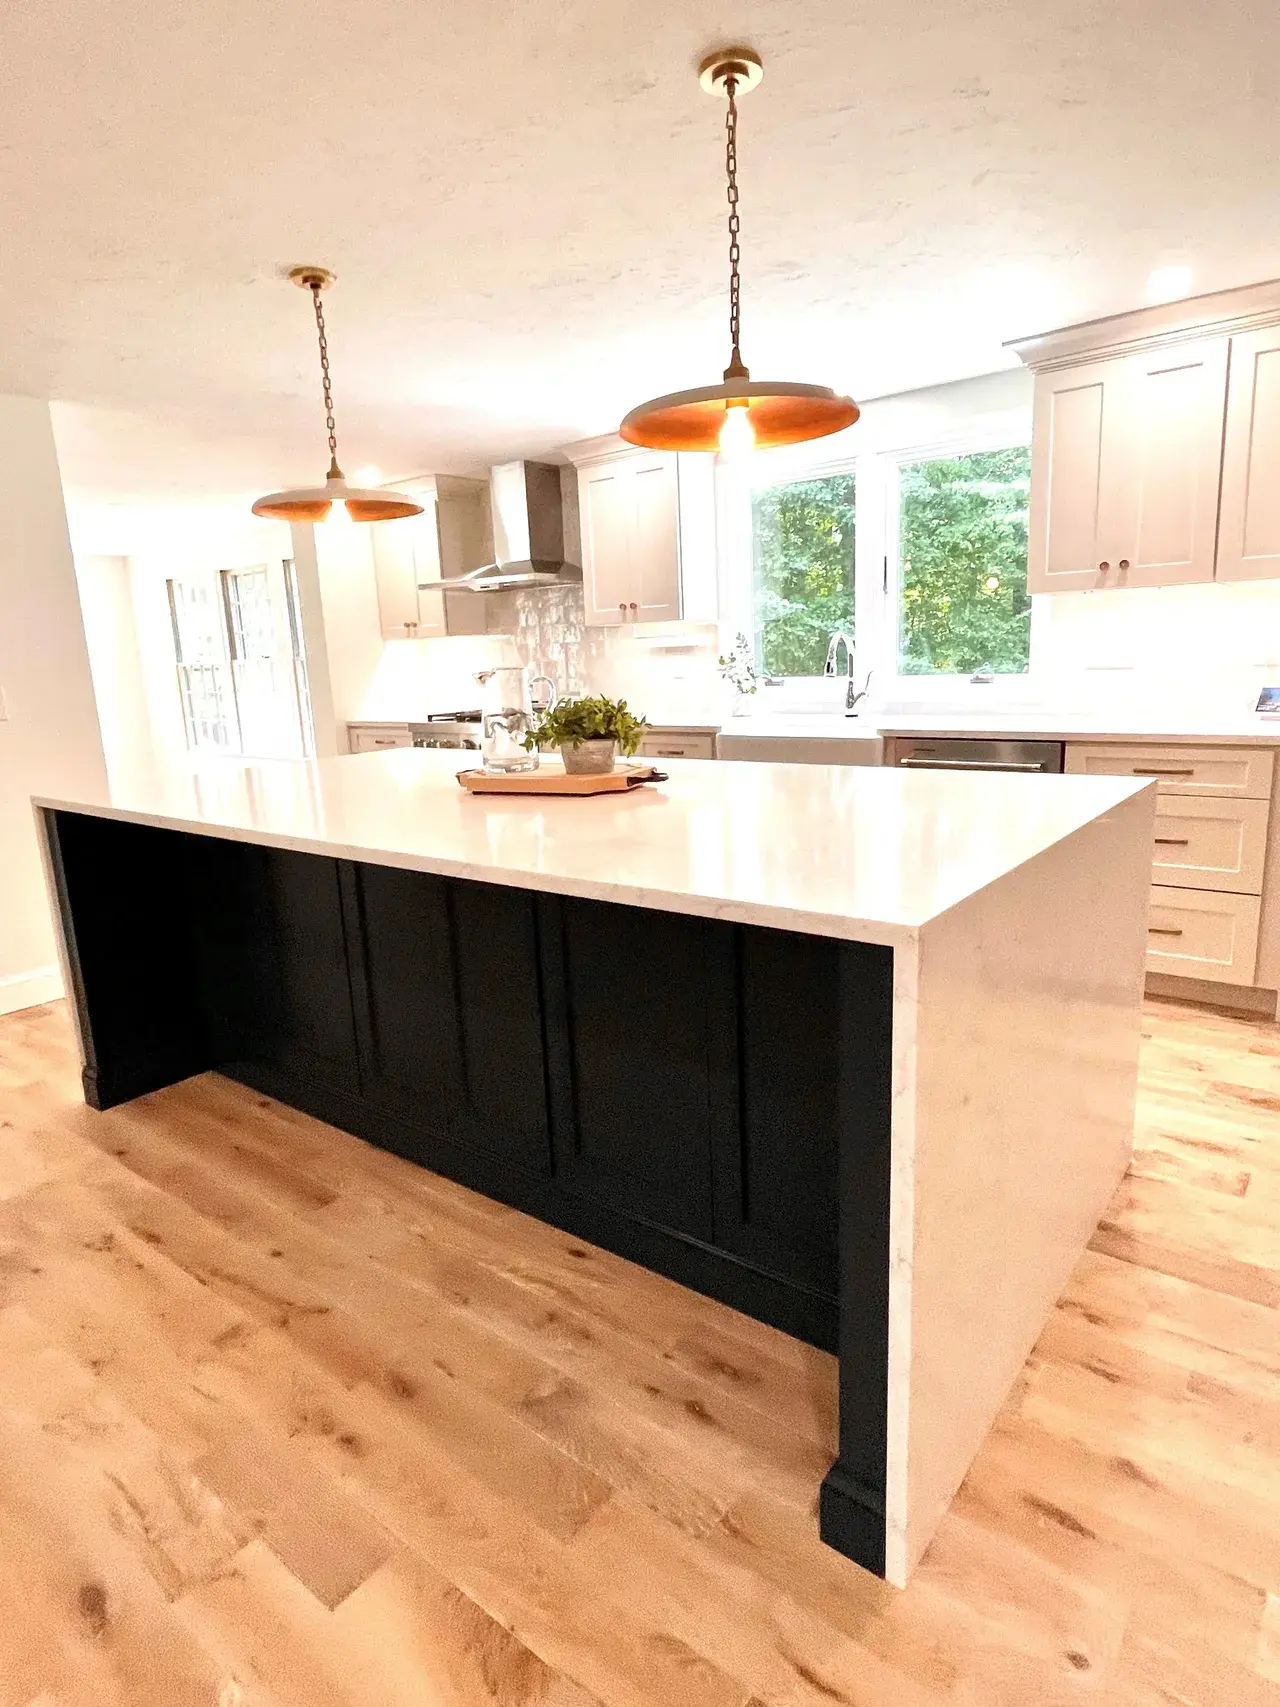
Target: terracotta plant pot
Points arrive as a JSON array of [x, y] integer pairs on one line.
[[589, 758]]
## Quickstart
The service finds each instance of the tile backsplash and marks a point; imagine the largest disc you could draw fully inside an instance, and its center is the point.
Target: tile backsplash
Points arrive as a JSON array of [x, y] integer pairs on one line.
[[668, 675]]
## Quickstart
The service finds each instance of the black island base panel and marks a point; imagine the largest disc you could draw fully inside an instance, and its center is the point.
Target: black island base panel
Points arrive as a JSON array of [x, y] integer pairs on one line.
[[710, 1100]]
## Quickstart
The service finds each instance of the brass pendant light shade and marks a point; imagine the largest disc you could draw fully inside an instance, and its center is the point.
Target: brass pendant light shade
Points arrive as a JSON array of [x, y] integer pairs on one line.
[[314, 503], [741, 413], [779, 412]]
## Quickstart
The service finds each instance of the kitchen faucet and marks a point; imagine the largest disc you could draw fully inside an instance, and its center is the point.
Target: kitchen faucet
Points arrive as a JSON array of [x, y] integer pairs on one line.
[[851, 697]]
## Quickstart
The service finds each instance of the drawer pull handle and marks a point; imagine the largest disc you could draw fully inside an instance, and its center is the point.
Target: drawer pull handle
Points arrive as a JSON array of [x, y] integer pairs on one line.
[[1173, 842], [1153, 772], [1162, 930]]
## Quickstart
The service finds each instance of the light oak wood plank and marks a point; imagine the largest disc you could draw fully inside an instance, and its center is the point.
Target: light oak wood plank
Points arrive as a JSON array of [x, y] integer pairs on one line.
[[286, 1420]]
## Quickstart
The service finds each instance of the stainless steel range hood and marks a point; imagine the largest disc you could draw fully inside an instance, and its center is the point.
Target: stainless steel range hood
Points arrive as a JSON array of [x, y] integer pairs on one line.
[[528, 533]]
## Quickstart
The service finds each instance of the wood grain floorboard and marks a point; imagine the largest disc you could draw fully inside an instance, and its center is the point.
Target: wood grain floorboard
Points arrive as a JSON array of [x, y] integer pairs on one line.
[[287, 1422]]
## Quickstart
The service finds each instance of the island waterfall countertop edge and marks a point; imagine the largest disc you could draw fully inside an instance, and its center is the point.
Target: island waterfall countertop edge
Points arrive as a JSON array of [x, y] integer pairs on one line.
[[859, 853]]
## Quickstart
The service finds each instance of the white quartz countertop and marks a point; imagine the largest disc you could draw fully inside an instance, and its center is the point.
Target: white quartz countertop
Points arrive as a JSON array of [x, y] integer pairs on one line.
[[1036, 725], [860, 853]]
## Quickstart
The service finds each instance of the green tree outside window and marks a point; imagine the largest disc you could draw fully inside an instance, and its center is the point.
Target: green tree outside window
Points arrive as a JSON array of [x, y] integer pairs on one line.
[[803, 534], [963, 555]]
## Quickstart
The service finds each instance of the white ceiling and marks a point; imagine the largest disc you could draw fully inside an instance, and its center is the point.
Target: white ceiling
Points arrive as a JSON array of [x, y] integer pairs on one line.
[[524, 204]]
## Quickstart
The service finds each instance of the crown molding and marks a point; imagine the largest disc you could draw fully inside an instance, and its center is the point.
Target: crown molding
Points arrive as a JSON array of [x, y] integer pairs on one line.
[[1216, 315], [607, 445]]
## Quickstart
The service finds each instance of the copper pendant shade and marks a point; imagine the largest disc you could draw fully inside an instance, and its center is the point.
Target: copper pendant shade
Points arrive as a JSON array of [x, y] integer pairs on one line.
[[314, 503], [740, 412]]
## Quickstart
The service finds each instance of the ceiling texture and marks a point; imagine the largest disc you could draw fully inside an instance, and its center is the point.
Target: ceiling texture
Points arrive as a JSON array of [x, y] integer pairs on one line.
[[524, 205]]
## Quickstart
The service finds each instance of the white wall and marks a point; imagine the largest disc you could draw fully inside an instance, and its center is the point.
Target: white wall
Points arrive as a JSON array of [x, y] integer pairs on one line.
[[49, 740], [1195, 649], [135, 643], [106, 601]]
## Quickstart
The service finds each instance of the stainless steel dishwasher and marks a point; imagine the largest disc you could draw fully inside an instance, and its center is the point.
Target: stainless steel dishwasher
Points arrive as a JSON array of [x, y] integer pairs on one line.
[[951, 753]]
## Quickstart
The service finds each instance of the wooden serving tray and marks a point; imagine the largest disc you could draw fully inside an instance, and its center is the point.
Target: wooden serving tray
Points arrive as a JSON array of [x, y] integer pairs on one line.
[[620, 781]]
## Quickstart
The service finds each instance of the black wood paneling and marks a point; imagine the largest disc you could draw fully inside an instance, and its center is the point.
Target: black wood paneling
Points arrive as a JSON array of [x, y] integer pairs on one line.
[[122, 892], [852, 1501], [777, 1065], [447, 1001], [302, 990], [629, 1021]]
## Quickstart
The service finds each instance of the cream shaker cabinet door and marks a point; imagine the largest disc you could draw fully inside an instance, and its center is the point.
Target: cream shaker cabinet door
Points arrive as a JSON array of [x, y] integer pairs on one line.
[[655, 560], [1161, 478], [1072, 443], [1249, 529], [607, 504], [630, 511], [396, 578], [1126, 458]]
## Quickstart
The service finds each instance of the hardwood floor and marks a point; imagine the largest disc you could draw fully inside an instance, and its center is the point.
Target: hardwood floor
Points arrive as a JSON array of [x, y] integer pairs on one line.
[[284, 1420]]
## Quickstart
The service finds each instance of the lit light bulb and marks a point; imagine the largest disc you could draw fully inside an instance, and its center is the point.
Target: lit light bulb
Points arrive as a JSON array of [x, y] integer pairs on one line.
[[339, 515], [737, 435]]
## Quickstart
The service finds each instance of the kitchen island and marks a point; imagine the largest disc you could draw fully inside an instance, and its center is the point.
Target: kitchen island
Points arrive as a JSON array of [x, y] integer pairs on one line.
[[852, 1050]]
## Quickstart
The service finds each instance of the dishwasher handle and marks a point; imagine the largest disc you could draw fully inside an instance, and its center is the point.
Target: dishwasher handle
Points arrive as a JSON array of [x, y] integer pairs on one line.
[[969, 765]]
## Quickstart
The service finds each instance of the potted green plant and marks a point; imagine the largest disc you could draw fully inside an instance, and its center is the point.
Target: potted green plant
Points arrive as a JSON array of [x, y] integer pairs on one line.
[[589, 732]]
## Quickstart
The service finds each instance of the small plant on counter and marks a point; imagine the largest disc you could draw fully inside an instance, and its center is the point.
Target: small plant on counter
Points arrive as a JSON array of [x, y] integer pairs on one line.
[[738, 666], [588, 731]]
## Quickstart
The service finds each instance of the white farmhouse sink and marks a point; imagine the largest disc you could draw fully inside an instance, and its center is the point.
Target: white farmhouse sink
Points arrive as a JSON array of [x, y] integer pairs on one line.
[[801, 740]]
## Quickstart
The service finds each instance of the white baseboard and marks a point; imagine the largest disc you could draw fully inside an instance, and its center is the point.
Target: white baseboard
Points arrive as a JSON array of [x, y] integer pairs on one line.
[[29, 989]]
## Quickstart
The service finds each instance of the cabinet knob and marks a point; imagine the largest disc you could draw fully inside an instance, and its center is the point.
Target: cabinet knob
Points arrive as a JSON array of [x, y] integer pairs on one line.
[[633, 605], [1103, 567], [622, 606], [1124, 563]]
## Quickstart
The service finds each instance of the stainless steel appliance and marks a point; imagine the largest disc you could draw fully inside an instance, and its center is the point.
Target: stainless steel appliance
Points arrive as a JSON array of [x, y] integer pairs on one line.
[[954, 753], [527, 508], [447, 729]]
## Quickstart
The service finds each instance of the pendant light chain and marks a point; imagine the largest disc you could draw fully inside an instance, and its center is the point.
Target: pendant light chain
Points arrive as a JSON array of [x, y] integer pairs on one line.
[[735, 369], [335, 473]]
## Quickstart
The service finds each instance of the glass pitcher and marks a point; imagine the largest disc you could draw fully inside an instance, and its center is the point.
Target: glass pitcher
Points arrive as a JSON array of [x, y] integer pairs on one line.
[[507, 716]]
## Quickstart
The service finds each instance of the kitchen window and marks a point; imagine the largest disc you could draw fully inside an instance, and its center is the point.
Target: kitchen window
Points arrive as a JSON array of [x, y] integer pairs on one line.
[[241, 670], [960, 545], [802, 547], [204, 675], [919, 555]]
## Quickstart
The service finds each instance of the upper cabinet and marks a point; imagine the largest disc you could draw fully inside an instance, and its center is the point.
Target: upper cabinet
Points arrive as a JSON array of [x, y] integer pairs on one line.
[[1144, 442], [448, 538], [648, 537], [1249, 536]]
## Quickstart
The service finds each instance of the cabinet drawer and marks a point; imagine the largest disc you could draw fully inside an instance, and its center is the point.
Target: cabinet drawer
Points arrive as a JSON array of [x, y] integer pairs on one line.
[[373, 737], [1241, 771], [1207, 843], [657, 745], [1201, 934]]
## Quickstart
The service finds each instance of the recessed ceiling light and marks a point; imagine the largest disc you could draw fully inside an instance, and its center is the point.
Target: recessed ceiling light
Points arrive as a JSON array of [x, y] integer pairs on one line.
[[368, 476], [1169, 284]]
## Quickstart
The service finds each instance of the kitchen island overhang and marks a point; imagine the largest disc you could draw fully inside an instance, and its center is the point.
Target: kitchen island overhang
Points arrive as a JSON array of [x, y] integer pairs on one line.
[[872, 1081]]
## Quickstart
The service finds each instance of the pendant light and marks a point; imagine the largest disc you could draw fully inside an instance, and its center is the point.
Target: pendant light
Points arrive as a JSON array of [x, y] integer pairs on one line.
[[743, 412], [313, 503]]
